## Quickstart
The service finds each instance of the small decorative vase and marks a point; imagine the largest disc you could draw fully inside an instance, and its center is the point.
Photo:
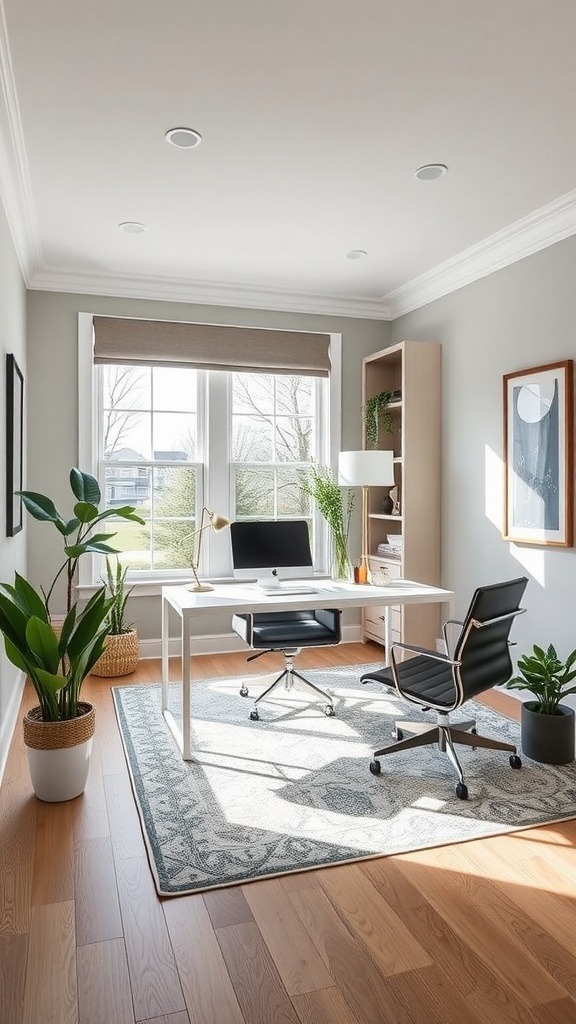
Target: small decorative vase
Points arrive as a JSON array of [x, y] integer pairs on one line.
[[341, 564]]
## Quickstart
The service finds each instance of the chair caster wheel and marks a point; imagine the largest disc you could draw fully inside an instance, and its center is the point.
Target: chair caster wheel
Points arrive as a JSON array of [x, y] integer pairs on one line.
[[244, 691], [515, 761], [254, 716], [329, 711], [397, 734], [461, 791], [375, 767], [474, 732]]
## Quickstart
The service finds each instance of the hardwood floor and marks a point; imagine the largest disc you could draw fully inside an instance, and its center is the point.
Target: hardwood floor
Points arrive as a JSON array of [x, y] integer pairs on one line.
[[482, 931]]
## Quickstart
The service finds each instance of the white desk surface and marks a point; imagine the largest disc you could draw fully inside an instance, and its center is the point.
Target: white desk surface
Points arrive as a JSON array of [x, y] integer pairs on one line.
[[243, 598]]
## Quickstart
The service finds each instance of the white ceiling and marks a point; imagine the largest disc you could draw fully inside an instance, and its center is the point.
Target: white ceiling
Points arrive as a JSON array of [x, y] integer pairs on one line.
[[314, 116]]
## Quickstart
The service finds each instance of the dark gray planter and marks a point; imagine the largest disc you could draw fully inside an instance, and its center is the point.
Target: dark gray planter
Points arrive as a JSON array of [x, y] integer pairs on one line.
[[548, 738]]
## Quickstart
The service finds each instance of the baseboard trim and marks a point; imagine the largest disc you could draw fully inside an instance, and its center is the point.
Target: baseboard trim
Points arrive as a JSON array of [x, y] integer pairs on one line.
[[10, 720]]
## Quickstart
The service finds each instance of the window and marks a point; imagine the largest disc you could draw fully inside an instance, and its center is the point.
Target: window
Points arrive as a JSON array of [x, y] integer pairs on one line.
[[171, 440]]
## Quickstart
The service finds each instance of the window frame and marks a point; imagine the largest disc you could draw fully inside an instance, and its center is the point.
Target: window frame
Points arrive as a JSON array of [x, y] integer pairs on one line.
[[213, 488]]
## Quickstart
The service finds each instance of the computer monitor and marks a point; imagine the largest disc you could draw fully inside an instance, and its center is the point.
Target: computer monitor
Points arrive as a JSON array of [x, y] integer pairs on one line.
[[271, 550]]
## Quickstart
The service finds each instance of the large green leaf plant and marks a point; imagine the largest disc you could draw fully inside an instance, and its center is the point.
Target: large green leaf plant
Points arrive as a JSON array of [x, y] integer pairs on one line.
[[58, 665]]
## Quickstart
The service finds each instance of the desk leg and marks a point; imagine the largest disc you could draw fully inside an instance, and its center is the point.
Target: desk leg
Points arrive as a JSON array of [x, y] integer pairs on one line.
[[180, 734], [387, 632], [165, 646], [186, 753]]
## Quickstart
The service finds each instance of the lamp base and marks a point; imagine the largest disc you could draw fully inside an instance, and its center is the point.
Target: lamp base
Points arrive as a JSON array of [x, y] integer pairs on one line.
[[200, 588]]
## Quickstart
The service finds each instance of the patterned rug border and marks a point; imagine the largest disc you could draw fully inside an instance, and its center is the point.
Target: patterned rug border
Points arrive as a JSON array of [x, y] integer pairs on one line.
[[153, 849]]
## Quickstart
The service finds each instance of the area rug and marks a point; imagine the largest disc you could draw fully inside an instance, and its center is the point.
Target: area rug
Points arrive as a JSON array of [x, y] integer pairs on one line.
[[293, 790]]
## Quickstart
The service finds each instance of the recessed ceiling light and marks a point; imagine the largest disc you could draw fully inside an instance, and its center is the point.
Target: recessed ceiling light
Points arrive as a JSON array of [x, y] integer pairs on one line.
[[429, 172], [132, 227], [356, 254], [183, 138]]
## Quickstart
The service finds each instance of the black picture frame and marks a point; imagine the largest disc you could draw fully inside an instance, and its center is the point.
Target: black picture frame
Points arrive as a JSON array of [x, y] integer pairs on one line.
[[14, 445]]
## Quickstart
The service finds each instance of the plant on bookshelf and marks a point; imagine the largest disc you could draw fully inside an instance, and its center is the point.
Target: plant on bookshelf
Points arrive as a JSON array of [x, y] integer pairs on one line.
[[376, 412]]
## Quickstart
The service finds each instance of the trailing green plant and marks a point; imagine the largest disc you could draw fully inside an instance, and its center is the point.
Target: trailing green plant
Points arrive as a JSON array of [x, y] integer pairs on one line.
[[336, 505], [376, 412], [115, 583], [57, 666], [544, 675]]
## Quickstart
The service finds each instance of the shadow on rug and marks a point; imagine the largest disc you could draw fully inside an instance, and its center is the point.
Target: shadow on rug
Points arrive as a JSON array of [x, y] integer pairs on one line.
[[293, 791]]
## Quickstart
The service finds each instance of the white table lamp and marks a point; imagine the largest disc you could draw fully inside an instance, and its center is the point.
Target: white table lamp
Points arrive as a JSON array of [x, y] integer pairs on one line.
[[366, 469], [215, 522]]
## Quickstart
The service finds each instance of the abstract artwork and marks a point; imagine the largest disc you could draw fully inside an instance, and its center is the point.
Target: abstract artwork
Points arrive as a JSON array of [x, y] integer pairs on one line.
[[538, 455]]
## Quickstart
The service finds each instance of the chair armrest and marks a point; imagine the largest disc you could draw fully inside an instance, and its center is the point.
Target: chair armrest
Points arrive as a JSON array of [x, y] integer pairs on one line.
[[434, 655], [449, 622]]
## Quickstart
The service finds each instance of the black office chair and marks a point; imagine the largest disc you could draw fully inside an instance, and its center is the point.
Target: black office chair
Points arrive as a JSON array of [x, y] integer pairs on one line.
[[481, 660], [288, 632]]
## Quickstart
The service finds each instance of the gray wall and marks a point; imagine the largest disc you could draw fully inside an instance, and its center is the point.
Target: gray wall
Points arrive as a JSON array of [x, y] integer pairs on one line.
[[53, 399], [519, 317], [12, 549]]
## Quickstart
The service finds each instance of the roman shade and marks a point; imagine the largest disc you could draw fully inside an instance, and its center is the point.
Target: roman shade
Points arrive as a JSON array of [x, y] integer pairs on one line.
[[210, 346]]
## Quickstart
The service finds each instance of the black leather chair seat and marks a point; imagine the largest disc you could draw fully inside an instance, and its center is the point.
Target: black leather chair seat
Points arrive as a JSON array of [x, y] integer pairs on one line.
[[289, 629], [422, 678]]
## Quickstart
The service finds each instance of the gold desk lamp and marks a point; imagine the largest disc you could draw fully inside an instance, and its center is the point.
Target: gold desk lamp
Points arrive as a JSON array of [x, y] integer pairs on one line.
[[215, 522]]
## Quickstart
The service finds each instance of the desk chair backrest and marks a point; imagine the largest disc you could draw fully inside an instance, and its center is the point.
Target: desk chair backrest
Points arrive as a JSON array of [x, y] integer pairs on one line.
[[482, 647]]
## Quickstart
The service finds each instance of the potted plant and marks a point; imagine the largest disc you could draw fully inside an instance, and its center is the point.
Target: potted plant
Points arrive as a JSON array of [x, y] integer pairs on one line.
[[121, 647], [547, 725], [58, 732], [375, 411], [336, 508]]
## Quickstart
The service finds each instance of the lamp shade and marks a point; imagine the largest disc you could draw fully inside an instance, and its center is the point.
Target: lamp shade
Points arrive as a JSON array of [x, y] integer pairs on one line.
[[366, 469]]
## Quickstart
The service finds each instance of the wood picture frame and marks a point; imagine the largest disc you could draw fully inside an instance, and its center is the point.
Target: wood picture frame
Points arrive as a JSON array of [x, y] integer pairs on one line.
[[539, 455], [14, 445]]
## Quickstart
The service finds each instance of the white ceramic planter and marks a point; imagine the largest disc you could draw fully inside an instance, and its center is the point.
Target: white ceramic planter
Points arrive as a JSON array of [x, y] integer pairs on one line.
[[59, 753], [58, 775]]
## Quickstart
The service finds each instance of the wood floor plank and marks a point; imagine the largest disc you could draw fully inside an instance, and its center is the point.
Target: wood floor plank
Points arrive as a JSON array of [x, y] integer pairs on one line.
[[297, 960], [13, 952], [227, 906], [172, 1018], [392, 947], [91, 815], [492, 998], [16, 899], [366, 991], [153, 975], [326, 1006], [452, 893], [50, 992], [125, 830], [96, 896], [257, 984], [208, 990], [562, 1011], [53, 877], [104, 993], [549, 913]]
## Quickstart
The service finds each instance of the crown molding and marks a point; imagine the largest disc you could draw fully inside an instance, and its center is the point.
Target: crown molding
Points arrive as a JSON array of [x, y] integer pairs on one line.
[[543, 227], [205, 293], [15, 185]]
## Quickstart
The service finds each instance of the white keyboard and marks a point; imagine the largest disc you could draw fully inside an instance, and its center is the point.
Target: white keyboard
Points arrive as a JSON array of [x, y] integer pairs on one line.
[[274, 591]]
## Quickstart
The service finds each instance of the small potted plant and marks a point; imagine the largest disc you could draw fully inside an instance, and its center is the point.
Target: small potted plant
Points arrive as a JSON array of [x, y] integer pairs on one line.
[[121, 646], [58, 731], [547, 725]]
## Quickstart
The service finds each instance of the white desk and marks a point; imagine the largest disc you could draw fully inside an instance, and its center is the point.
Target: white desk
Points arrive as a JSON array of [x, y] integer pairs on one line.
[[237, 598]]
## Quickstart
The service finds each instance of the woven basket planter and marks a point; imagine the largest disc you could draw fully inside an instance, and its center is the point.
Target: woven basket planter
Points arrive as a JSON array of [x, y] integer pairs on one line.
[[120, 655], [59, 753]]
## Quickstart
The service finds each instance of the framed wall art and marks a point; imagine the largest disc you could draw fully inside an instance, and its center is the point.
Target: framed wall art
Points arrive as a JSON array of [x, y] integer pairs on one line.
[[14, 445], [538, 455]]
